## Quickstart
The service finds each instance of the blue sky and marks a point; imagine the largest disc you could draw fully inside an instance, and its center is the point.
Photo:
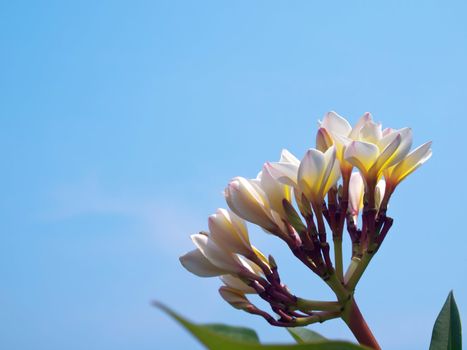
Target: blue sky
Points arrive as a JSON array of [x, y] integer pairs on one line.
[[121, 123]]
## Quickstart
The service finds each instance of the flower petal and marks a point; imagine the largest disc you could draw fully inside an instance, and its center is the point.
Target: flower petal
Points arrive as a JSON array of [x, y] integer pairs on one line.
[[216, 255], [404, 147], [323, 140], [227, 234], [365, 118], [310, 172], [335, 124], [234, 297], [407, 166], [275, 191], [361, 154], [385, 157], [195, 262], [288, 157], [331, 173], [356, 191], [237, 283], [247, 200], [371, 132]]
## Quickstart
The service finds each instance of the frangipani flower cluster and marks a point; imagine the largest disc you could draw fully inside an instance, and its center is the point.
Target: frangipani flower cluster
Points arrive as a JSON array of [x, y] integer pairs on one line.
[[345, 182]]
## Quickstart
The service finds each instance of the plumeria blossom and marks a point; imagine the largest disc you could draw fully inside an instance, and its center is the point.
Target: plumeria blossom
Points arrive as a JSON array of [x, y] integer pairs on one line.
[[372, 158]]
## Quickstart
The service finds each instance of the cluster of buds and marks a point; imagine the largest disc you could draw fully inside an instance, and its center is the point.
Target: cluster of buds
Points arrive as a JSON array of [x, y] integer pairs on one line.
[[345, 182]]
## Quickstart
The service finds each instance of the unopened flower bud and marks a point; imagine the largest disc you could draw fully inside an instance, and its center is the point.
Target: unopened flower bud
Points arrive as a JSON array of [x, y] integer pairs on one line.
[[249, 202], [230, 232]]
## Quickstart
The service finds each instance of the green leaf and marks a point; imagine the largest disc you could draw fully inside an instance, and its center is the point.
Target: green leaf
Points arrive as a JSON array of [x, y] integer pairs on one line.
[[447, 334], [220, 337], [237, 333], [304, 335]]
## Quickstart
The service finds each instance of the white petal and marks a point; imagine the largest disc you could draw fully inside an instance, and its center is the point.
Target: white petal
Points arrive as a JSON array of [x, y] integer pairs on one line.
[[247, 200], [371, 132], [414, 160], [195, 262], [310, 172], [404, 147], [336, 124], [288, 157], [379, 193], [237, 283], [361, 122], [275, 191], [333, 177], [386, 156], [234, 297], [361, 154], [216, 255], [228, 236], [285, 173], [332, 171]]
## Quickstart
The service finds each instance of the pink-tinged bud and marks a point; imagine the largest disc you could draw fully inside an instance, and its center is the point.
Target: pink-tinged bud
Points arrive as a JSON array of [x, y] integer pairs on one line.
[[323, 140], [356, 192], [234, 297]]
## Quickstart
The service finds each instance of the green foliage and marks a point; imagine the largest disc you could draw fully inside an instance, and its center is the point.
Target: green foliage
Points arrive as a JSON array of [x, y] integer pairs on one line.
[[304, 335], [447, 333], [222, 337]]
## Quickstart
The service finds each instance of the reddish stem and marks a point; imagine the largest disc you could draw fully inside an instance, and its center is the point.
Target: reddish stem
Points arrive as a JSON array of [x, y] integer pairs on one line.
[[357, 324]]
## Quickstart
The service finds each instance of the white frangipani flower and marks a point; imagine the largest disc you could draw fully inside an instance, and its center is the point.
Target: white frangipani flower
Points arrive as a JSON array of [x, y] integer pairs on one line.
[[229, 232], [195, 262], [408, 165], [372, 158], [317, 173], [250, 202]]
